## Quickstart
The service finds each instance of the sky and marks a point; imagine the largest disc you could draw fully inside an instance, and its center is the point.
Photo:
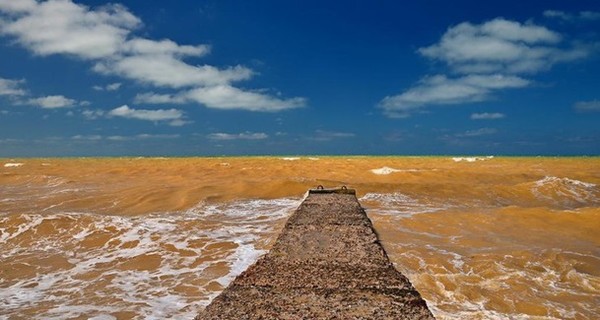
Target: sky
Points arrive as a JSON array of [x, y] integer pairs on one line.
[[211, 78]]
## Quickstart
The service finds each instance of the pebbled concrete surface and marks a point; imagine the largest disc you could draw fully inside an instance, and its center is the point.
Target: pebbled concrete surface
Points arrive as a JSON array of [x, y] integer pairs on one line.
[[326, 264]]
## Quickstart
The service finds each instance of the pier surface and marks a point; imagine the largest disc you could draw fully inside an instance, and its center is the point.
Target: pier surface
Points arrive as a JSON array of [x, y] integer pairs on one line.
[[326, 264]]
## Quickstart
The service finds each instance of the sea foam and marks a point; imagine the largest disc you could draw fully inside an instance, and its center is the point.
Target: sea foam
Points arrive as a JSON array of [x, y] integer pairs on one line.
[[384, 170], [181, 248], [471, 159], [13, 164]]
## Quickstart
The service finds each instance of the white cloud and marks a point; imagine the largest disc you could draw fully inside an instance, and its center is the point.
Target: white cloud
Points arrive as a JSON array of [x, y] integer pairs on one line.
[[92, 114], [587, 106], [441, 90], [477, 133], [173, 115], [239, 136], [501, 45], [87, 137], [163, 47], [581, 16], [63, 27], [103, 36], [487, 116], [487, 57], [52, 102], [228, 97], [11, 88], [113, 86], [17, 6], [321, 135], [223, 97], [109, 87], [155, 98], [169, 71], [143, 136]]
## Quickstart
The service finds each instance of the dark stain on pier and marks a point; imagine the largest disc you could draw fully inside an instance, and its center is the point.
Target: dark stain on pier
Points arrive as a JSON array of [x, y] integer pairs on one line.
[[326, 264]]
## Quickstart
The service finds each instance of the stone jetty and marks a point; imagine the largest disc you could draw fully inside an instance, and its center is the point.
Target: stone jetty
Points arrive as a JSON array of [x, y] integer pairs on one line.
[[326, 264]]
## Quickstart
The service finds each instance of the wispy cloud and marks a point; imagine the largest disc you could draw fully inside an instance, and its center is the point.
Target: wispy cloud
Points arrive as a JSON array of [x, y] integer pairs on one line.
[[86, 137], [487, 57], [572, 17], [487, 116], [93, 114], [174, 116], [109, 87], [223, 97], [103, 36], [322, 135], [477, 133], [587, 106], [238, 136], [157, 98], [143, 136], [52, 102], [11, 88], [228, 97], [441, 90]]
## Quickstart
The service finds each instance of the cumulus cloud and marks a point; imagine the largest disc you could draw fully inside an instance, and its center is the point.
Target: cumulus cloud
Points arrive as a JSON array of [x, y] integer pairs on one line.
[[173, 115], [238, 136], [11, 88], [441, 90], [103, 35], [63, 27], [20, 6], [484, 58], [587, 106], [52, 102], [501, 45], [487, 116]]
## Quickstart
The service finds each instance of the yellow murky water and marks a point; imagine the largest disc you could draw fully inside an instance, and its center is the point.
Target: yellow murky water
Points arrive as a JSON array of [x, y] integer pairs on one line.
[[480, 238]]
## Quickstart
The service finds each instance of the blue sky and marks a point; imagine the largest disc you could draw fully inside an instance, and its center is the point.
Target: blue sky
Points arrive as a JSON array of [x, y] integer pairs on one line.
[[192, 78]]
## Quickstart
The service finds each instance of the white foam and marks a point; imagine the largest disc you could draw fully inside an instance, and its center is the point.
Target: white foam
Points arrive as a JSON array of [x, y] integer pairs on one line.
[[149, 293], [388, 170], [290, 158], [471, 159], [13, 164], [313, 159], [384, 170], [550, 179], [565, 191], [399, 204]]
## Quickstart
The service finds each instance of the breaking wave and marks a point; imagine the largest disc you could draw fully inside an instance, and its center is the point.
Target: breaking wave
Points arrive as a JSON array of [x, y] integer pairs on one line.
[[165, 265]]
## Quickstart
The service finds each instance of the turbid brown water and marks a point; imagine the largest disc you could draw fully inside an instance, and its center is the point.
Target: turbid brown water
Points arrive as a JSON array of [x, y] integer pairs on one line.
[[326, 264], [479, 238]]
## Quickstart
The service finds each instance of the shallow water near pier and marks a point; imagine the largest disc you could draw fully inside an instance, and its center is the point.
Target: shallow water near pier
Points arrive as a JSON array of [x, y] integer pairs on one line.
[[143, 238]]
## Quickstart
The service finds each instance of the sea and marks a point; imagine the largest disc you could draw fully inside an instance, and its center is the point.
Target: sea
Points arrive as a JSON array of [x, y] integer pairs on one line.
[[158, 238]]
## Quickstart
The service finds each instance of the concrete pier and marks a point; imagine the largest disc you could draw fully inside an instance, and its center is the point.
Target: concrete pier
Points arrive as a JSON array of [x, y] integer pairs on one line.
[[326, 264]]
